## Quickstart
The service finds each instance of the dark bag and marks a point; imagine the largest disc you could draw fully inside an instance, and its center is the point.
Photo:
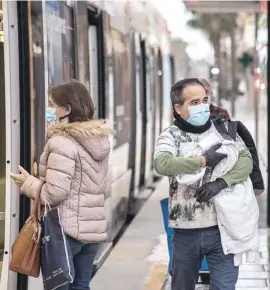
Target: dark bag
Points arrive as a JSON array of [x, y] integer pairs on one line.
[[25, 251], [56, 260], [235, 127]]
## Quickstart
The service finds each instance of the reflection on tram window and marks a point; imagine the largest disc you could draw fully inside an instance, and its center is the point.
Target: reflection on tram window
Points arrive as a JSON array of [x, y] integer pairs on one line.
[[60, 41], [121, 85], [38, 80], [57, 55]]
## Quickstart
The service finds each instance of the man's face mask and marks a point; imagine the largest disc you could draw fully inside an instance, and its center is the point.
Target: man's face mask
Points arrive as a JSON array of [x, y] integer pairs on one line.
[[195, 109], [199, 114]]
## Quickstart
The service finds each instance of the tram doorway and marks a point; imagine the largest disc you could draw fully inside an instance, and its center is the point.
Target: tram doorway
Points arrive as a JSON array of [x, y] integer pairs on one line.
[[2, 143]]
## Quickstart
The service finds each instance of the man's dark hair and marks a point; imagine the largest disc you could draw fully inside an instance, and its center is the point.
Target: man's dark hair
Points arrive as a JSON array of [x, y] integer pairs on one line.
[[76, 95], [177, 89]]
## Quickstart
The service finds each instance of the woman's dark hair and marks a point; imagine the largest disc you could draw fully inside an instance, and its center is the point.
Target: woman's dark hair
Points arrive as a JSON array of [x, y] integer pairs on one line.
[[76, 95], [177, 89]]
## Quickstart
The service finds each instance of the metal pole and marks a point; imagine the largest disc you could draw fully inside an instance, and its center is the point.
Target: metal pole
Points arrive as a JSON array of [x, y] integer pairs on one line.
[[268, 111], [256, 91], [233, 69]]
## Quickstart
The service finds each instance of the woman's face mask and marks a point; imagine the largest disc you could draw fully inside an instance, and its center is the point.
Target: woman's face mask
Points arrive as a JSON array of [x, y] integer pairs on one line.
[[51, 115], [54, 113]]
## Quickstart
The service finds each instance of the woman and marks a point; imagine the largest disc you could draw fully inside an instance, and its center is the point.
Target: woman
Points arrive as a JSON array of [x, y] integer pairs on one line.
[[74, 165]]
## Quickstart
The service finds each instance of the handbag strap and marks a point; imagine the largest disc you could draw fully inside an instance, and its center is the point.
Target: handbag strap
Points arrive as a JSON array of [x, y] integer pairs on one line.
[[232, 129], [36, 209], [219, 124]]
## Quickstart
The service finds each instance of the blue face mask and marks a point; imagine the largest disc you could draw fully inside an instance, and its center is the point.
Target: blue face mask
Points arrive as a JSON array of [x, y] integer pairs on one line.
[[198, 115], [51, 114]]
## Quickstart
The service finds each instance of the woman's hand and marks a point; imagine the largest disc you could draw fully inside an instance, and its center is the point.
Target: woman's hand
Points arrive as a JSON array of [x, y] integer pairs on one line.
[[19, 179]]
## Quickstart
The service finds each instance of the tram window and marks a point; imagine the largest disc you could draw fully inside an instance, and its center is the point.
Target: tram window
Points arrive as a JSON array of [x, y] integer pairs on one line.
[[138, 83], [94, 80], [70, 3], [60, 42], [121, 85], [96, 60], [143, 100], [38, 73]]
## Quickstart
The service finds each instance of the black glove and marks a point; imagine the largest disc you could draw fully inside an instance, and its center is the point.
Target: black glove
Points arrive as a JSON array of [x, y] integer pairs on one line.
[[208, 190], [212, 157]]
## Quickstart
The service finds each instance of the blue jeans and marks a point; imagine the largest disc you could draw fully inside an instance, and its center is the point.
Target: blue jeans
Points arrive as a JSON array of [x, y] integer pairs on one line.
[[83, 256], [189, 248]]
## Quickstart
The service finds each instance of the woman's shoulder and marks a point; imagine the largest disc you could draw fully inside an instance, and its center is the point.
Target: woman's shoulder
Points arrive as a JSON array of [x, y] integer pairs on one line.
[[62, 145]]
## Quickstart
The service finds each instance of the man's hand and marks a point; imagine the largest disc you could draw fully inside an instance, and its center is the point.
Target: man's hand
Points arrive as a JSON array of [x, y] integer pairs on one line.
[[208, 190], [212, 157]]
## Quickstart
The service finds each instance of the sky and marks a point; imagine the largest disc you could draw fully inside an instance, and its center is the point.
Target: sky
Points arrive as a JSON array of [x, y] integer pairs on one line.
[[176, 16]]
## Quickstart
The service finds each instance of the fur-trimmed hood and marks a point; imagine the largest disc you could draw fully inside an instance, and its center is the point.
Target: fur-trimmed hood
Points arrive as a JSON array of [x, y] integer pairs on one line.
[[92, 135], [81, 130]]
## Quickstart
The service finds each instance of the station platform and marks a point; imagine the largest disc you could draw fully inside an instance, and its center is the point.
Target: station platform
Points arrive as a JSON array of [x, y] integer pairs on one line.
[[139, 261]]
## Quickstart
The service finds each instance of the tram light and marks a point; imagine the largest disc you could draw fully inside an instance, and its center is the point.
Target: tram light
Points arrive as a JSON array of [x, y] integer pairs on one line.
[[215, 71], [262, 86], [258, 70], [257, 83]]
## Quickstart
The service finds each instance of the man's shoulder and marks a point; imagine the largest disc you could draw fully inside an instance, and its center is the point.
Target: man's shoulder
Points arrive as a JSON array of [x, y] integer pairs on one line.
[[172, 130]]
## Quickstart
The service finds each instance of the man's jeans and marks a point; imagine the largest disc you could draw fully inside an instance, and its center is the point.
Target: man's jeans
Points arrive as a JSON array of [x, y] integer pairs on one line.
[[83, 258], [189, 248]]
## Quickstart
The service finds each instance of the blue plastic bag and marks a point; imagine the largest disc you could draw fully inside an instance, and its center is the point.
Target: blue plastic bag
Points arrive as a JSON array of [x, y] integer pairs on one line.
[[56, 262], [169, 231]]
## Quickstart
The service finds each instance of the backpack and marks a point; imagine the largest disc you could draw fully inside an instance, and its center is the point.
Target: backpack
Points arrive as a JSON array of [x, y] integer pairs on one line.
[[235, 127]]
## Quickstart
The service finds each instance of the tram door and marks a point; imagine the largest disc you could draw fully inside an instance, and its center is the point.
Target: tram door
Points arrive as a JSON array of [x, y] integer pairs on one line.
[[137, 69], [158, 94], [10, 138], [146, 158], [149, 108], [143, 91], [2, 145], [97, 92], [93, 55], [160, 90]]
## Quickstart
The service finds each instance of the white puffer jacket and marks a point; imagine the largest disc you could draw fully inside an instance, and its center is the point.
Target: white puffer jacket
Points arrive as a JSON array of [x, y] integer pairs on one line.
[[237, 208]]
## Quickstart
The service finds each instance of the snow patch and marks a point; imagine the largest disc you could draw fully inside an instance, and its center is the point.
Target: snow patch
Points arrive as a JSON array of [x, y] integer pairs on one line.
[[160, 252]]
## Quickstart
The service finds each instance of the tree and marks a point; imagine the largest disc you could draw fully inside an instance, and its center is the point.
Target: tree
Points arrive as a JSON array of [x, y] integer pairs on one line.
[[215, 25]]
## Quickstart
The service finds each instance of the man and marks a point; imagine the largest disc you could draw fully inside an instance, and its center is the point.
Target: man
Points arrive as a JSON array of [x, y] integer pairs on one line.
[[215, 112], [191, 212]]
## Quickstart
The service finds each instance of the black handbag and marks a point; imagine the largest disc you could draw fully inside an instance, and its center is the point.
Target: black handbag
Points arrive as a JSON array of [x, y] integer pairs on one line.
[[56, 260]]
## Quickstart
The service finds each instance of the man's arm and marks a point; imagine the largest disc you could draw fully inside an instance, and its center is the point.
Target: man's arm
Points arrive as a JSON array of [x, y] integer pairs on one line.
[[241, 170], [239, 173], [168, 164]]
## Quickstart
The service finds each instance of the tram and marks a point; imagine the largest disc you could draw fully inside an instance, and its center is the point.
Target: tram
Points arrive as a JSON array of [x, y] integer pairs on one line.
[[121, 51]]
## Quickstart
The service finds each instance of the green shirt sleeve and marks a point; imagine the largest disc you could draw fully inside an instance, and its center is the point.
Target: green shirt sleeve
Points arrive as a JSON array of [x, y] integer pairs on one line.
[[241, 170], [169, 165]]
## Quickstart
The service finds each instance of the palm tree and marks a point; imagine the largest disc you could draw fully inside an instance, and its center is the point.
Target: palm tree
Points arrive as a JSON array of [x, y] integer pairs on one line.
[[215, 25]]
